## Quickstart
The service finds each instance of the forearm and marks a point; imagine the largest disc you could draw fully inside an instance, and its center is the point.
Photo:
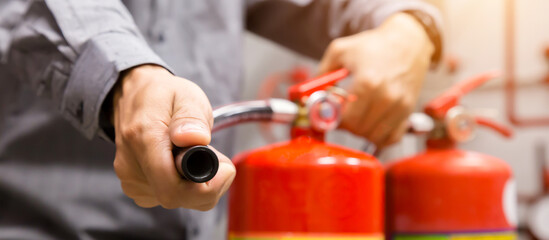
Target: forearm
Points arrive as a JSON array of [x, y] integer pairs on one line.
[[309, 26]]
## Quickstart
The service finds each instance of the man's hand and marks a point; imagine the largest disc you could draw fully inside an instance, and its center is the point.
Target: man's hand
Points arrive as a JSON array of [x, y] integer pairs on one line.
[[388, 66], [154, 110]]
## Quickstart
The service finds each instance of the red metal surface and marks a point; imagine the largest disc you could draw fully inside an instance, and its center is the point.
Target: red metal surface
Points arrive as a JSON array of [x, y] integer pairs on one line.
[[296, 132], [447, 191], [296, 92], [306, 185]]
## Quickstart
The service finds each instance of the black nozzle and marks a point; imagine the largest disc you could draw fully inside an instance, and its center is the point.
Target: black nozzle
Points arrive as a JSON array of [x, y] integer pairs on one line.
[[197, 164]]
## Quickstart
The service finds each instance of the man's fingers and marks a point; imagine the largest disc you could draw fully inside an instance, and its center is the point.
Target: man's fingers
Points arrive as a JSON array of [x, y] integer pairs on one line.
[[158, 165], [378, 111], [204, 196], [153, 111], [388, 126], [332, 56], [395, 136], [352, 118], [172, 191], [192, 119]]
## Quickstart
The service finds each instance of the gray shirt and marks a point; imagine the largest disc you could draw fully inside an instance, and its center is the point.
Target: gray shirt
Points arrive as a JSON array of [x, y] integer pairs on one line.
[[58, 61]]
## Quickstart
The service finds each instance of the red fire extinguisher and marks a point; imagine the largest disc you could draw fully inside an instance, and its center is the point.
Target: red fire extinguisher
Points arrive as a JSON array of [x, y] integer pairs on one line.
[[304, 188], [448, 193]]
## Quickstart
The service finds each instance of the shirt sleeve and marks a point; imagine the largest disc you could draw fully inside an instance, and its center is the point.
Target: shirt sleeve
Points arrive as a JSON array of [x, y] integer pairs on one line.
[[308, 26], [72, 52]]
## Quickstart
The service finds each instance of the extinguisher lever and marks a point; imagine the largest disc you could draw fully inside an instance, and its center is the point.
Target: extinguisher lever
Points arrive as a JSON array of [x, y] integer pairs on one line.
[[439, 106], [322, 82], [468, 85], [200, 163]]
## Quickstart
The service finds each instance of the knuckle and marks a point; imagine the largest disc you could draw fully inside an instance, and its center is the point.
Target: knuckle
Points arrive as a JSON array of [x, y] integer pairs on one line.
[[392, 97], [132, 131], [336, 46], [369, 76], [122, 171], [366, 84], [406, 107], [392, 94], [118, 166], [408, 104]]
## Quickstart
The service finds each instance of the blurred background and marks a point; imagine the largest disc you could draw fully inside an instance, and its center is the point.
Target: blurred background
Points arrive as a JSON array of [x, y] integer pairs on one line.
[[506, 35]]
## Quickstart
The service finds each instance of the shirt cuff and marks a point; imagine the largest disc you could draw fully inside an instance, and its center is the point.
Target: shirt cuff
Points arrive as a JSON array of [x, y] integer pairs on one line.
[[96, 71]]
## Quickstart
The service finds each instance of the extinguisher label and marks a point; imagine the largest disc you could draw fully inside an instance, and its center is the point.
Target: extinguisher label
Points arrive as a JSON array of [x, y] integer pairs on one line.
[[303, 236], [459, 236]]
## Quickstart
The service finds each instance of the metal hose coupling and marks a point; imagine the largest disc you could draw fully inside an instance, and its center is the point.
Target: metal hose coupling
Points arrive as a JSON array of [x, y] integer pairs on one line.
[[200, 163]]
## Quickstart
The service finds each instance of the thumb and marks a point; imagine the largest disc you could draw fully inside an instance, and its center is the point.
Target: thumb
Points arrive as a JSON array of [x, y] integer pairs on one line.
[[189, 131], [191, 122], [332, 57]]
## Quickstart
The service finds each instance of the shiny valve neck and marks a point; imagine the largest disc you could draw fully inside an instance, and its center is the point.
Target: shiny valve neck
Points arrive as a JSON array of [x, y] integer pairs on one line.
[[320, 104]]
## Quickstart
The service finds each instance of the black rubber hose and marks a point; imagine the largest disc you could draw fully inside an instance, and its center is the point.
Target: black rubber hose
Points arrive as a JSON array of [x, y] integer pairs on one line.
[[200, 163], [197, 164]]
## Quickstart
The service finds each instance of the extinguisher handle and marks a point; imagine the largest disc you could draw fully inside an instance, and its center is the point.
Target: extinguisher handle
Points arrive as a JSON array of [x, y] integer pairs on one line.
[[470, 84], [200, 163], [439, 106], [297, 91], [501, 129]]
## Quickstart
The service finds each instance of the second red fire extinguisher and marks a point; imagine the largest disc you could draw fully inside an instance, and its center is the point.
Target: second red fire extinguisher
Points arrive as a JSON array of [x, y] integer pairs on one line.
[[448, 193]]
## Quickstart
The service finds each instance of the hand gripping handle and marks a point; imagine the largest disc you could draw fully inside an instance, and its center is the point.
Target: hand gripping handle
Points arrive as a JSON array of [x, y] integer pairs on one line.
[[200, 163]]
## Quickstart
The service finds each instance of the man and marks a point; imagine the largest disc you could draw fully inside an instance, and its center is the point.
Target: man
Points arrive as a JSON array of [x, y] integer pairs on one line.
[[87, 62]]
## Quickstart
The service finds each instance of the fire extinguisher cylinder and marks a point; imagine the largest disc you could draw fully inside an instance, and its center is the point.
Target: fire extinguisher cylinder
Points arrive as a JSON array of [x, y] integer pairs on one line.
[[197, 164]]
